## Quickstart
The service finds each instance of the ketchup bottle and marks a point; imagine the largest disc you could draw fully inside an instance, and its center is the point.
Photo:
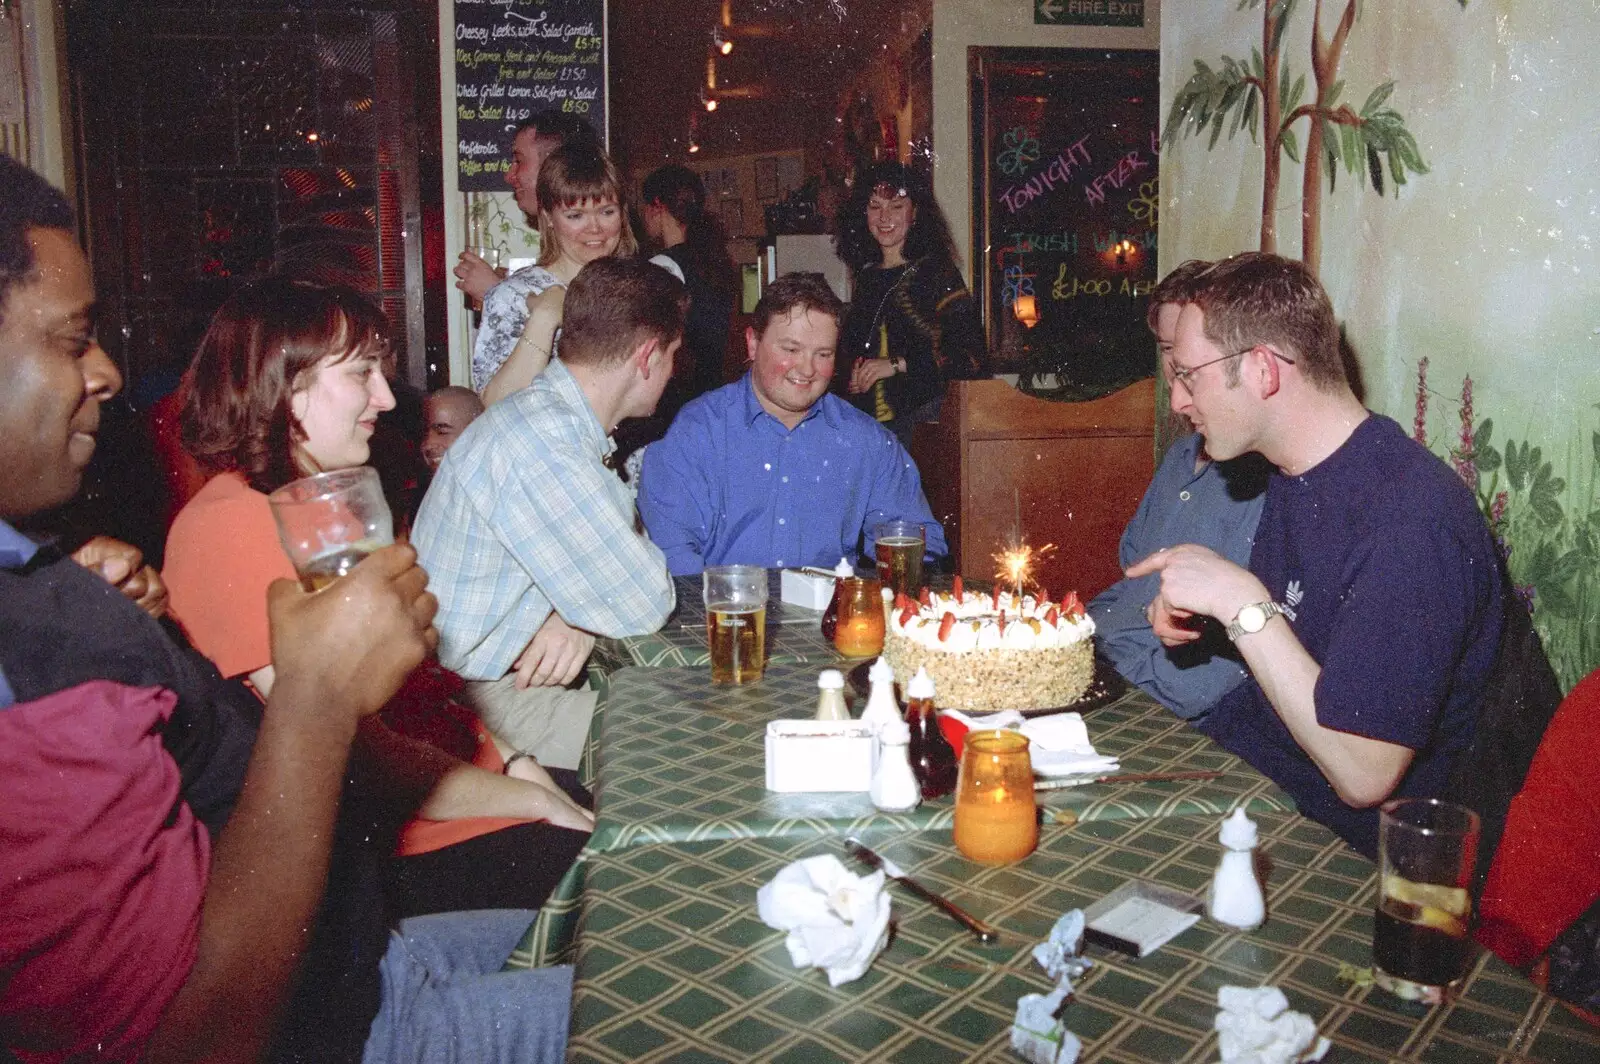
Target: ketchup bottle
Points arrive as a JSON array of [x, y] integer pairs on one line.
[[933, 759]]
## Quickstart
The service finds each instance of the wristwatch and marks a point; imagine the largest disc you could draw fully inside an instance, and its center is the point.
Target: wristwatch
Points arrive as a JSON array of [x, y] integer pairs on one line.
[[1252, 618]]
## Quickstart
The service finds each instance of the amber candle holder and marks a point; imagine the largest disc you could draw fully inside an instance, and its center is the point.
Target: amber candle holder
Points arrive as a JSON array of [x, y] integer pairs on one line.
[[859, 633], [996, 821]]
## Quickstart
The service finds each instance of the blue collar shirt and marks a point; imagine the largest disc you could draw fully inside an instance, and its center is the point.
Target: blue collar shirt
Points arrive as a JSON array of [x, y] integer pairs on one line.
[[16, 551], [732, 485]]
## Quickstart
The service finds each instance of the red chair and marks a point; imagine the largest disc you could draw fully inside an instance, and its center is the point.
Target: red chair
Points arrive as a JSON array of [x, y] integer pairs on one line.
[[1546, 873]]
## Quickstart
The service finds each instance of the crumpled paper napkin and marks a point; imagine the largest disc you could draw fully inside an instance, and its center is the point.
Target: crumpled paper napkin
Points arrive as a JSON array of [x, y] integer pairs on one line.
[[1255, 1026], [836, 920], [1036, 1034], [1058, 745]]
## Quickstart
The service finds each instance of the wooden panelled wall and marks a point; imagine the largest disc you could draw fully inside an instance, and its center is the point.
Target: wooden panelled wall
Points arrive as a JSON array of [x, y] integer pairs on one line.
[[1071, 473]]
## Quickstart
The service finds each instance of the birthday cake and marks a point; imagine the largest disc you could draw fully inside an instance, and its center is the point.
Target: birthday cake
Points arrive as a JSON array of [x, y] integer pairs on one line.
[[992, 652]]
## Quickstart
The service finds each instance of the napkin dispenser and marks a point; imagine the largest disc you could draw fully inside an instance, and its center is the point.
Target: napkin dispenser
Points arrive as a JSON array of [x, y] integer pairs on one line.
[[809, 588], [818, 755]]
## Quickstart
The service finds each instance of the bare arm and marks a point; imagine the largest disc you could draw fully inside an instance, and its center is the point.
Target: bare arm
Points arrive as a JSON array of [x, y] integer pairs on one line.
[[450, 789], [532, 352], [1195, 580], [438, 786], [343, 652]]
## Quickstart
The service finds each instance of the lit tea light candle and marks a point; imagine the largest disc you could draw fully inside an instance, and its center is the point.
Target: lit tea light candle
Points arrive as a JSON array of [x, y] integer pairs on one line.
[[996, 821]]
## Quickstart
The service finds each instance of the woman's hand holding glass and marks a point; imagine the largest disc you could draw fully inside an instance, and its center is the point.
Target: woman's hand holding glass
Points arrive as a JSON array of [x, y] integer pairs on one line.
[[475, 276], [869, 371]]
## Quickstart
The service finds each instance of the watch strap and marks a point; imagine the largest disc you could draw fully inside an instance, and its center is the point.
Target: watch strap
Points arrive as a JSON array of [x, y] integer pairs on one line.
[[1269, 610]]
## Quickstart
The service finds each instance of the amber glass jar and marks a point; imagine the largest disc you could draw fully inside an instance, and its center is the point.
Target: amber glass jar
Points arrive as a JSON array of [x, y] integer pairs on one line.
[[996, 820], [859, 632]]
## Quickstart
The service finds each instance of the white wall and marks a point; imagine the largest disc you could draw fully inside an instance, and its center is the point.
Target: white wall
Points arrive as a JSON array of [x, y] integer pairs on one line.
[[959, 24]]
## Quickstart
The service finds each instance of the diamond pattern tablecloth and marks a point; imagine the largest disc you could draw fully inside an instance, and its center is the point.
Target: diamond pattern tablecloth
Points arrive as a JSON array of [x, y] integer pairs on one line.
[[674, 964], [794, 634], [680, 759]]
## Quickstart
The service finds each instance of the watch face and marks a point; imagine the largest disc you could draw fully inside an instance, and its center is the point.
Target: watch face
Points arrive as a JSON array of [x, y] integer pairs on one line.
[[1252, 618]]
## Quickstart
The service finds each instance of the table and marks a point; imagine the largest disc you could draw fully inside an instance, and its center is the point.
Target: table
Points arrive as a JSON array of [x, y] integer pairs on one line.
[[674, 964], [794, 634], [679, 759]]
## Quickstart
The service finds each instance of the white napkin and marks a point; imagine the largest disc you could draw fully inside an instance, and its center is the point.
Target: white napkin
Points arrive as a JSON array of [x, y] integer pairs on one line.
[[1037, 1036], [1058, 744], [1060, 954], [836, 920], [1255, 1026]]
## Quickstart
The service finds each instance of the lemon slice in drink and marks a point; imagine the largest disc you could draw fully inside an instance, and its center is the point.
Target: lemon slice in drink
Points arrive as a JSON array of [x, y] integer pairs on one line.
[[1442, 908]]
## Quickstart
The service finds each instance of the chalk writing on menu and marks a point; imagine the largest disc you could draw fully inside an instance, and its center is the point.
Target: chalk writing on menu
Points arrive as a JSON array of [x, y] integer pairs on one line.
[[1071, 216], [513, 59]]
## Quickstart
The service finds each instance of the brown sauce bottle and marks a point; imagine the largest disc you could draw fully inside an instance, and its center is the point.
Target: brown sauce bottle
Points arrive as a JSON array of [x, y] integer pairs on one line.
[[933, 759]]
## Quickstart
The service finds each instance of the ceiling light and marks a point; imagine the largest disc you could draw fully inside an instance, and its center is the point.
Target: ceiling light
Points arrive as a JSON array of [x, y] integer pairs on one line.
[[711, 103]]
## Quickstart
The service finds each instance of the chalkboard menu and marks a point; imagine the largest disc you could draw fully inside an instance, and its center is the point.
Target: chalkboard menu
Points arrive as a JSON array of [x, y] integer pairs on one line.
[[1065, 211], [513, 59]]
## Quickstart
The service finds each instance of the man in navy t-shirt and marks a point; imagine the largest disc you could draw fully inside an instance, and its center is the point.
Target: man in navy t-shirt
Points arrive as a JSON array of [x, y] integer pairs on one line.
[[1370, 613]]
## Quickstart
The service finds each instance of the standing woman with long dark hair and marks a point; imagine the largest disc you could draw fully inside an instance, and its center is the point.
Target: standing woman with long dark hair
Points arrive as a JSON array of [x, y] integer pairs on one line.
[[673, 204], [912, 326]]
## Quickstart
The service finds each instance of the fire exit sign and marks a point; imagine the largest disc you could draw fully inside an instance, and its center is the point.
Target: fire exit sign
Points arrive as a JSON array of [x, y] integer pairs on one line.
[[1088, 12]]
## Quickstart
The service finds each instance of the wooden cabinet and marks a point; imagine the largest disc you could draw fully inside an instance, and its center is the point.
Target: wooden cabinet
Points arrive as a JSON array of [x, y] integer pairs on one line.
[[1072, 472]]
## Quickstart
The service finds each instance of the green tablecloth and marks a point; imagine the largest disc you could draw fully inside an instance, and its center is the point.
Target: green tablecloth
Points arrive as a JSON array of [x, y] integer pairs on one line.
[[674, 964], [794, 634], [680, 759]]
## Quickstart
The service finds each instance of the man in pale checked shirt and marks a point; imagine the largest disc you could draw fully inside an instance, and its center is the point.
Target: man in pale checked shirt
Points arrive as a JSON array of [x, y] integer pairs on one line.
[[771, 470], [530, 542]]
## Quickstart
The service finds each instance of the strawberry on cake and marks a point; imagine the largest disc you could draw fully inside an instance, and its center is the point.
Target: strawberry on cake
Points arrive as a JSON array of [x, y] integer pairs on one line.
[[992, 652]]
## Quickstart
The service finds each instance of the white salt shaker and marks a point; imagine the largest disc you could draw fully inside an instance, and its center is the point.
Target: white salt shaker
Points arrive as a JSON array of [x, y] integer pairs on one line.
[[1235, 896], [894, 787], [881, 706], [830, 696]]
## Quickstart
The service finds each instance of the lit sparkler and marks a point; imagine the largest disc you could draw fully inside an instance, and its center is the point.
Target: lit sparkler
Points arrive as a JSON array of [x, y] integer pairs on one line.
[[1016, 565]]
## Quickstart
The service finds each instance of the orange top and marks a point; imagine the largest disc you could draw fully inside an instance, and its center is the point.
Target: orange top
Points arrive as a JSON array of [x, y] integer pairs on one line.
[[222, 553]]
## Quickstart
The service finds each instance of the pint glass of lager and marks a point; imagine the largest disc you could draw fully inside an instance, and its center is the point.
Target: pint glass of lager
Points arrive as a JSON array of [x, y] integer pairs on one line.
[[1421, 938], [736, 622], [900, 546], [329, 522]]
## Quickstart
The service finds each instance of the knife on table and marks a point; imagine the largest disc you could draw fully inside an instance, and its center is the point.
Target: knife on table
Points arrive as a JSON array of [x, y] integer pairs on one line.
[[982, 931]]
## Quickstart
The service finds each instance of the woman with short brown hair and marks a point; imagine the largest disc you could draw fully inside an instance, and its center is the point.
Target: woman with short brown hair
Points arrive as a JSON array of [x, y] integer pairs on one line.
[[583, 216]]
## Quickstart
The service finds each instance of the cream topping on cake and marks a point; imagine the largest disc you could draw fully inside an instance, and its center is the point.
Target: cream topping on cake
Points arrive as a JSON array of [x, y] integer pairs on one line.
[[1029, 623]]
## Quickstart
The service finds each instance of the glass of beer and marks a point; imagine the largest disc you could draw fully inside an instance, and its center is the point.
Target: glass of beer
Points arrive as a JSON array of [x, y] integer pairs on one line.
[[329, 522], [736, 622], [1421, 940], [900, 546]]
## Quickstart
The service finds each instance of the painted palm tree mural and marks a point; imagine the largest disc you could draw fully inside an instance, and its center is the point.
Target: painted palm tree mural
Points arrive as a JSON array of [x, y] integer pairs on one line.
[[1264, 94]]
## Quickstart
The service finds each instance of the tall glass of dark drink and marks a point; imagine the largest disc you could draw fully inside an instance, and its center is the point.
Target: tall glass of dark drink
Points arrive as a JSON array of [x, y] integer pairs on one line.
[[899, 546], [1421, 938], [329, 522]]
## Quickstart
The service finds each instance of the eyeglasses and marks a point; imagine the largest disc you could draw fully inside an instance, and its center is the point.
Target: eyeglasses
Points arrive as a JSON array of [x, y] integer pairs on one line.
[[1184, 376]]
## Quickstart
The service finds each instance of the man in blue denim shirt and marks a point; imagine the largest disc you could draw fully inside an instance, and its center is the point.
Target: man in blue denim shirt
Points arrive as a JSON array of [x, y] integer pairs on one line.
[[772, 470], [1191, 500]]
